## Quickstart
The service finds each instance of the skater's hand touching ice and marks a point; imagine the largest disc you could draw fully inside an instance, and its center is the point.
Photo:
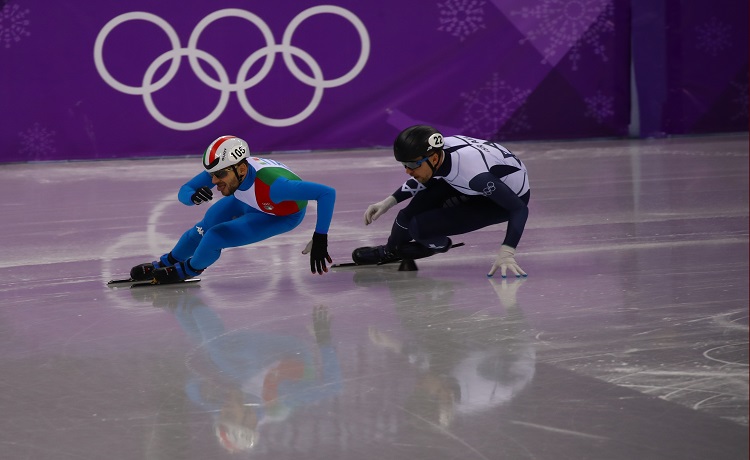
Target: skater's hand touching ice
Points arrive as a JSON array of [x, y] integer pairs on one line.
[[318, 250], [506, 260]]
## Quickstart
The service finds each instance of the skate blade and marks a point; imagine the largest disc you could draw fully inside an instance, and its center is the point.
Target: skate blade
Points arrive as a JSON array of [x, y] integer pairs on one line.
[[129, 283], [154, 283]]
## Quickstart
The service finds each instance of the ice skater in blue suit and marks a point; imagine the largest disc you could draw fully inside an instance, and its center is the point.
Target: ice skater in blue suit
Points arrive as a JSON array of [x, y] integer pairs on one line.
[[261, 198]]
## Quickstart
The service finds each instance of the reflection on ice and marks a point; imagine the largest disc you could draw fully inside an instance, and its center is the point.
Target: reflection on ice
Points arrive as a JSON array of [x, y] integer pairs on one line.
[[464, 360], [247, 377]]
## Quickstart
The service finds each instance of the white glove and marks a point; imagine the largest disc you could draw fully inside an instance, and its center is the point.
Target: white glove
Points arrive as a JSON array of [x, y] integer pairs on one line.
[[378, 209], [507, 292], [504, 261]]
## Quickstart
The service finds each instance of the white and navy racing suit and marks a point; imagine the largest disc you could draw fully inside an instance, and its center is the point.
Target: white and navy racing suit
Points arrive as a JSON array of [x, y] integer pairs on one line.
[[479, 183]]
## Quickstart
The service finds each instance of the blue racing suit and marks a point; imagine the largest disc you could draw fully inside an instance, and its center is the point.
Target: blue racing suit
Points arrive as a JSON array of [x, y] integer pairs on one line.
[[270, 200]]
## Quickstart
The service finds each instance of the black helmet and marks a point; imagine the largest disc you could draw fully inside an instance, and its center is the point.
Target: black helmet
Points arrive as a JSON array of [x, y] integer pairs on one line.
[[416, 142]]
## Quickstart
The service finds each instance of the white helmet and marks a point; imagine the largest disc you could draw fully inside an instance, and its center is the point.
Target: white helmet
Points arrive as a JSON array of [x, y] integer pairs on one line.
[[235, 438], [224, 152]]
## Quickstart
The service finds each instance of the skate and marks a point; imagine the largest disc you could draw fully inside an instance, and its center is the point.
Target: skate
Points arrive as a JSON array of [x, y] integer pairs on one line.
[[379, 255], [145, 272], [374, 255], [142, 272], [176, 273], [406, 254]]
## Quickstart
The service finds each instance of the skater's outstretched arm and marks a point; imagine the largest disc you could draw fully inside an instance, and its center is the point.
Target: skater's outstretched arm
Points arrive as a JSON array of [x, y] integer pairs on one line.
[[496, 190], [409, 188], [284, 189]]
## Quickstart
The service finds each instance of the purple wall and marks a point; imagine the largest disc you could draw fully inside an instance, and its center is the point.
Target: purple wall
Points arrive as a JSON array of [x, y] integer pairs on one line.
[[691, 66], [84, 80]]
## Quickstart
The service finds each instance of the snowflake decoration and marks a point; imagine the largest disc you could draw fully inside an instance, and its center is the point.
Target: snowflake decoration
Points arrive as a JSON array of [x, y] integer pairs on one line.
[[741, 100], [488, 108], [461, 18], [568, 24], [37, 143], [13, 24], [518, 124], [599, 107], [713, 37]]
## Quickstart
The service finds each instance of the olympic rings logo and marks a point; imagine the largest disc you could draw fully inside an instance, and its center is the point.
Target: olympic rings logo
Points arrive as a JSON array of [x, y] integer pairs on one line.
[[149, 86]]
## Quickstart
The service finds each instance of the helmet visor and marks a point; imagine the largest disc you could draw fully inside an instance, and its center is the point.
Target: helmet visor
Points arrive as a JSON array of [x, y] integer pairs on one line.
[[220, 174], [416, 163]]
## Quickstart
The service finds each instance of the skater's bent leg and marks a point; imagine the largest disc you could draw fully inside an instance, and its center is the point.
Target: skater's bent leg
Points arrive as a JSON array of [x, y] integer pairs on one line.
[[250, 228], [224, 210], [400, 231], [187, 243], [426, 201], [433, 227], [440, 243]]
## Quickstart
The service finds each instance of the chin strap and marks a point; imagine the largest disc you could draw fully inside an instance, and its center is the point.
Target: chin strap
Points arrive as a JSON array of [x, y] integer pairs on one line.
[[239, 179], [434, 168]]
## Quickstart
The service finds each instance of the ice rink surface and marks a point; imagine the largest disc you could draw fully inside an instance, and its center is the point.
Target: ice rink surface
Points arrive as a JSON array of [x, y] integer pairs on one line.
[[628, 340]]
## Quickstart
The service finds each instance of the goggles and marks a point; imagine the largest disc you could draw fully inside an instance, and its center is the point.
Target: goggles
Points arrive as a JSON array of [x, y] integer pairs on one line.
[[415, 164], [220, 174]]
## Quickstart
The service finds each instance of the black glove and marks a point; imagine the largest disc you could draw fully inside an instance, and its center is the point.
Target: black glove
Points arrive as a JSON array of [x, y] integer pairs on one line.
[[319, 253], [202, 194]]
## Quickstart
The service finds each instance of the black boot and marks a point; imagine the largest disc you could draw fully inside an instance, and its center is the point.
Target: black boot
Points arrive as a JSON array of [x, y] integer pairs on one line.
[[374, 255], [142, 272], [414, 250], [175, 273], [145, 272]]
